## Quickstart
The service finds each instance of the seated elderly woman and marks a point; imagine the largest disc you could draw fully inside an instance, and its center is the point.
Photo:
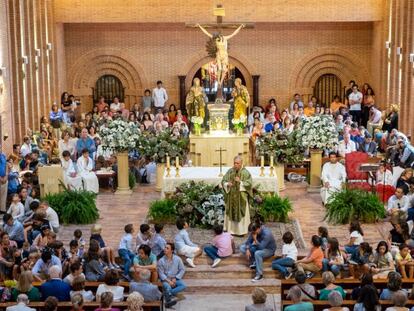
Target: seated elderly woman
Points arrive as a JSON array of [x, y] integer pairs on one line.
[[399, 300], [135, 301], [393, 286], [328, 279], [295, 294], [335, 300], [259, 301]]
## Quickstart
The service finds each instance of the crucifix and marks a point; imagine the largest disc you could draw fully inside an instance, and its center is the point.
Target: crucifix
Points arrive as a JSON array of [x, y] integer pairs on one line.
[[221, 160], [217, 45]]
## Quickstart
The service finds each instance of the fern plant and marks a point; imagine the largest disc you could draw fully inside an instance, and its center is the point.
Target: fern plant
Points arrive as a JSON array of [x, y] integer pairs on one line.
[[275, 208], [351, 204], [74, 206], [162, 210], [132, 180]]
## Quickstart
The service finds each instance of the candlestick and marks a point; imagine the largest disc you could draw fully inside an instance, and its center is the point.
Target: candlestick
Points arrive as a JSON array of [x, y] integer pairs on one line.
[[271, 161], [177, 171], [271, 173], [261, 161], [168, 172], [177, 162], [167, 161], [261, 172]]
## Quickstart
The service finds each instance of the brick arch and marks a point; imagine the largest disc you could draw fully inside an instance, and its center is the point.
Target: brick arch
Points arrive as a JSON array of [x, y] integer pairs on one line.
[[91, 66], [345, 65], [245, 67]]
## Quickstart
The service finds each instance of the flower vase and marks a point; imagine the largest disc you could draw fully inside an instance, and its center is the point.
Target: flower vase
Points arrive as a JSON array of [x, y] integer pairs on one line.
[[239, 131], [315, 170], [123, 173], [197, 130]]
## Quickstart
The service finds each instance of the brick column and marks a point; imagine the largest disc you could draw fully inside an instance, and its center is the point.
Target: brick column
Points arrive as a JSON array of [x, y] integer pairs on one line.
[[255, 90], [182, 93]]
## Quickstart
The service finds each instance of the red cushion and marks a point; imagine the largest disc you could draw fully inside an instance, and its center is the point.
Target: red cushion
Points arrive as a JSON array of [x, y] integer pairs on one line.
[[384, 192], [353, 161]]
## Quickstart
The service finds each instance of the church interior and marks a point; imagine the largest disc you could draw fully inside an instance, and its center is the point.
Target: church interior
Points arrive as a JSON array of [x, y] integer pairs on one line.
[[221, 155]]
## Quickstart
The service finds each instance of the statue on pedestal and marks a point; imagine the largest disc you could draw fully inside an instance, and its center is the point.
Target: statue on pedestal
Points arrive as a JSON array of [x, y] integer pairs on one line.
[[241, 99], [195, 101]]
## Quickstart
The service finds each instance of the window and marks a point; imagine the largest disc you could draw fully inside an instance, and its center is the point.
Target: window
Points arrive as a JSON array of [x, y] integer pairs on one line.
[[108, 86], [326, 87]]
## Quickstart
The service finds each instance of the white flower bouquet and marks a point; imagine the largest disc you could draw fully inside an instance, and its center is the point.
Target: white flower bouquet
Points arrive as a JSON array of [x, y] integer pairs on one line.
[[239, 123], [119, 135], [318, 132]]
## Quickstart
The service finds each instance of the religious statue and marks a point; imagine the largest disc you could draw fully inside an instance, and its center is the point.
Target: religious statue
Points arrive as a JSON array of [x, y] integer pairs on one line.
[[195, 101], [237, 184], [241, 99], [219, 51]]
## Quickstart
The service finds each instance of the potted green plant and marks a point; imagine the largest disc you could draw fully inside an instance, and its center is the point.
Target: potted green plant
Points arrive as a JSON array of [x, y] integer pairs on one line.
[[349, 204], [274, 208]]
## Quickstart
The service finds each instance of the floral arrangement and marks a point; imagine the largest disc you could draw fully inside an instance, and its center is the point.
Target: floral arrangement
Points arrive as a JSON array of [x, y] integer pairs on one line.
[[197, 120], [285, 148], [157, 146], [318, 132], [119, 135], [239, 123], [212, 210]]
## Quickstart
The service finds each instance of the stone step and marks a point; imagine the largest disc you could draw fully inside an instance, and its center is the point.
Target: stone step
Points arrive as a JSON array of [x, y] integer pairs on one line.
[[230, 286], [234, 271], [238, 259]]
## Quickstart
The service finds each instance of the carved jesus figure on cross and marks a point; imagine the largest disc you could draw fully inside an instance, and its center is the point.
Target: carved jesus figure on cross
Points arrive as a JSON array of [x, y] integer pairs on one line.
[[222, 57]]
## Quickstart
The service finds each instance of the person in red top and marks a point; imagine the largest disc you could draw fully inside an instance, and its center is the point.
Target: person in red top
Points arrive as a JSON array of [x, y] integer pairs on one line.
[[101, 104], [313, 261], [275, 111], [183, 117]]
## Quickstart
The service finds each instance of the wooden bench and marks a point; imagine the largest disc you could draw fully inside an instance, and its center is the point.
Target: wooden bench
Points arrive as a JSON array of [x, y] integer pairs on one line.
[[87, 305], [344, 283], [319, 305]]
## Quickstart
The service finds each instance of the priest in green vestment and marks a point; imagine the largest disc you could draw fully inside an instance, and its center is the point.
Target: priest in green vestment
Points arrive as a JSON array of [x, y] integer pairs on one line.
[[237, 184]]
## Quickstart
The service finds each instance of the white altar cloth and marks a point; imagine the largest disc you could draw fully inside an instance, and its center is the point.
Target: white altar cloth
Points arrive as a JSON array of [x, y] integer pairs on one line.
[[210, 175]]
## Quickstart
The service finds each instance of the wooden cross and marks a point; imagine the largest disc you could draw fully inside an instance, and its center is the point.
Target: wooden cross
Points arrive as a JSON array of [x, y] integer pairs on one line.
[[221, 161], [220, 25]]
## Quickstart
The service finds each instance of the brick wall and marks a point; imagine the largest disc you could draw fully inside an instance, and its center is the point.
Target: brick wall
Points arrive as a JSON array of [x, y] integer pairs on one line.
[[289, 57], [160, 11]]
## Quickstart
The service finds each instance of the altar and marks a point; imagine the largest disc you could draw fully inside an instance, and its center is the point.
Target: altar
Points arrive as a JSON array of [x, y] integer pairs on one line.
[[210, 175], [205, 148]]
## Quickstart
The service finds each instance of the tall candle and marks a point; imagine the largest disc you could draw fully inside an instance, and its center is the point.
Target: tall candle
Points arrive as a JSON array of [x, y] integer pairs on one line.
[[167, 161], [177, 162], [271, 161], [262, 161]]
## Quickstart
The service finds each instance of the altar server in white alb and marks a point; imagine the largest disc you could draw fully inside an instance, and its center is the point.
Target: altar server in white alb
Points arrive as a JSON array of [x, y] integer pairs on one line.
[[72, 179], [85, 169], [333, 177]]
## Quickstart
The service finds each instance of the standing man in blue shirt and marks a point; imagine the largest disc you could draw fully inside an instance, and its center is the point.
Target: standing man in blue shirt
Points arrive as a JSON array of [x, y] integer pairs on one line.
[[3, 182], [260, 244]]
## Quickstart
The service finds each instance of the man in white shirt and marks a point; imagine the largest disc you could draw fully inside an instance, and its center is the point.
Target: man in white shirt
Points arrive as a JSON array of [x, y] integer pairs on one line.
[[159, 95], [296, 99], [333, 177], [374, 121], [346, 146], [355, 99], [398, 206], [26, 148]]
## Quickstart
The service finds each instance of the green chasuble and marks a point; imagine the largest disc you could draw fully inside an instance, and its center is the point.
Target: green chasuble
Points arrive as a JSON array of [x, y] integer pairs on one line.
[[236, 200]]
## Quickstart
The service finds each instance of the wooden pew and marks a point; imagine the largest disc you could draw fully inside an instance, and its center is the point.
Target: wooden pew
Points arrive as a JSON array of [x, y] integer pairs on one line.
[[345, 283], [319, 305], [88, 306]]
